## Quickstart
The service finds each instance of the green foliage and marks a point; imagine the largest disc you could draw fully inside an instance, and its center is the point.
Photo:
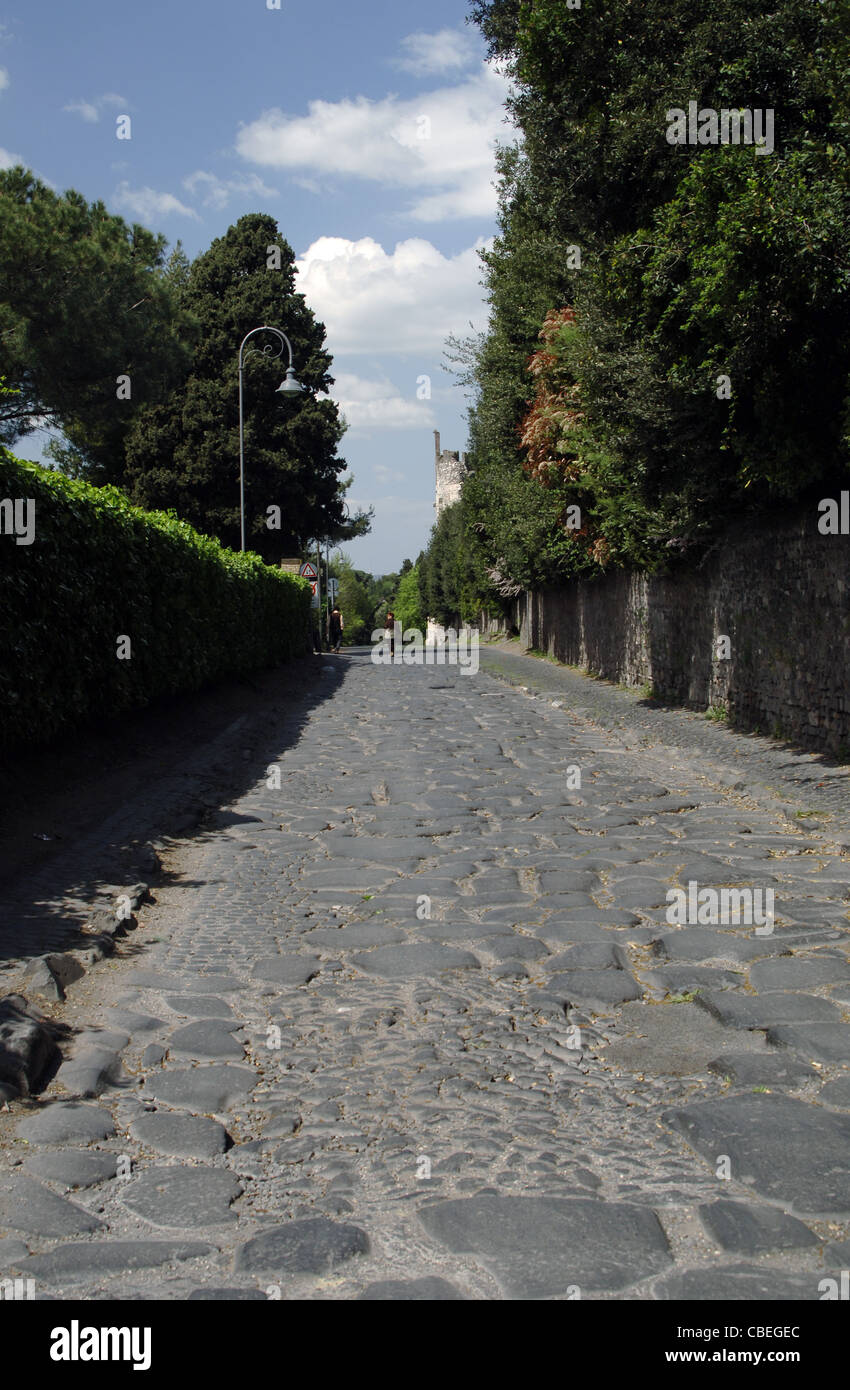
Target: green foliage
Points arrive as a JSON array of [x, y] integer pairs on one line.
[[451, 572], [84, 299], [408, 604], [698, 262], [98, 569], [184, 454]]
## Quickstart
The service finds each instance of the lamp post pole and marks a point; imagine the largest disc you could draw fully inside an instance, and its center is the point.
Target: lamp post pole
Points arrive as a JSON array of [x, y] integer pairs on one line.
[[290, 385]]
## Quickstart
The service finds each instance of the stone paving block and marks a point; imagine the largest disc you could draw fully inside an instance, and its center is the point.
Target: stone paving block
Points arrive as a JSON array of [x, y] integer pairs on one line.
[[538, 1247], [313, 1246], [594, 987], [72, 1167], [738, 1284], [287, 970], [26, 1205], [427, 1290], [199, 1006], [183, 1197], [762, 1010], [183, 1136], [215, 1088], [66, 1122], [799, 972], [836, 1093], [825, 1042], [783, 1148], [403, 962], [208, 1040], [763, 1069], [744, 1229], [75, 1262]]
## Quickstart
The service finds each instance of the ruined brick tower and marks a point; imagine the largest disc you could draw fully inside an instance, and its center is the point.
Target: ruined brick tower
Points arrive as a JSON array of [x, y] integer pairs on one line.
[[450, 469]]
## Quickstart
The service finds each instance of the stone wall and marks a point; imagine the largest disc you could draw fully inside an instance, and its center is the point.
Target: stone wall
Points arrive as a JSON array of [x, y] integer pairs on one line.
[[779, 590]]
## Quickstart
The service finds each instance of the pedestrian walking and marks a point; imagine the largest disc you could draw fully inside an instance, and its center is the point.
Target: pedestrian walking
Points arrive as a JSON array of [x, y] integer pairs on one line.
[[389, 629], [335, 628]]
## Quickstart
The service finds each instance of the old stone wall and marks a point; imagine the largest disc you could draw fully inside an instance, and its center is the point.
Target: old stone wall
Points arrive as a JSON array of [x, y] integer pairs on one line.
[[778, 590]]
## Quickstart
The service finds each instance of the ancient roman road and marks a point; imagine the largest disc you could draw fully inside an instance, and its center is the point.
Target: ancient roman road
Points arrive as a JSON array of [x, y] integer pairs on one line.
[[414, 1023]]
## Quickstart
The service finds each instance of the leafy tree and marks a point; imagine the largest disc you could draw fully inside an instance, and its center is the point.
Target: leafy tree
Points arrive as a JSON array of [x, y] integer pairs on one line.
[[407, 604], [184, 454], [84, 299]]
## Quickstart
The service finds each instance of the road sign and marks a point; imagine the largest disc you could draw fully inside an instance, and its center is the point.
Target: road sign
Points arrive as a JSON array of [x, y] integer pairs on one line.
[[308, 570]]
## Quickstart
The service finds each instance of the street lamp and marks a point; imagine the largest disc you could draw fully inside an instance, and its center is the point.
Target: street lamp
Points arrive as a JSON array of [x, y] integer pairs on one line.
[[290, 386]]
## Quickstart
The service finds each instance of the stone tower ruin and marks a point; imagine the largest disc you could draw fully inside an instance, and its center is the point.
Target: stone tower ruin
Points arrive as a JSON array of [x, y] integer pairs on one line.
[[450, 468]]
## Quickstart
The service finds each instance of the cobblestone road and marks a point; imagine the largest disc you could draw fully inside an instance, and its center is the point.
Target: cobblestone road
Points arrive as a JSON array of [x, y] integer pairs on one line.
[[415, 1024]]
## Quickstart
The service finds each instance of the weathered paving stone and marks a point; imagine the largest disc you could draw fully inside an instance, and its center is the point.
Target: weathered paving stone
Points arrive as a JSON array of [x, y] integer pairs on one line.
[[763, 1069], [182, 1196], [429, 1289], [700, 944], [26, 1205], [744, 1229], [182, 1136], [785, 1149], [79, 1262], [355, 937], [538, 1247], [208, 1040], [214, 1088], [27, 1046], [836, 1093], [11, 1251], [825, 1042], [287, 970], [72, 1167], [590, 955], [799, 972], [133, 1022], [90, 1072], [400, 962], [227, 1296], [594, 987], [739, 1283], [313, 1246], [66, 1122], [763, 1010], [199, 1005]]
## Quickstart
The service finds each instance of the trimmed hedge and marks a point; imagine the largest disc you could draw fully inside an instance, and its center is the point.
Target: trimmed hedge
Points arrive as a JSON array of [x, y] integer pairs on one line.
[[100, 568]]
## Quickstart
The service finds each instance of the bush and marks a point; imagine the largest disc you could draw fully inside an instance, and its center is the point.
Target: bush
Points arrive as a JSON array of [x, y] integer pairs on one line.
[[99, 569]]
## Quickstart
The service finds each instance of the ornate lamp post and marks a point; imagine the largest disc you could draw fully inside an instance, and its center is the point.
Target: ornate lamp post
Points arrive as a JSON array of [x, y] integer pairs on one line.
[[290, 386]]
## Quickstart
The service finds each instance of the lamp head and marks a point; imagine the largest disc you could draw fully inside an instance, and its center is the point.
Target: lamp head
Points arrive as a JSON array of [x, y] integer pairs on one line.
[[291, 385]]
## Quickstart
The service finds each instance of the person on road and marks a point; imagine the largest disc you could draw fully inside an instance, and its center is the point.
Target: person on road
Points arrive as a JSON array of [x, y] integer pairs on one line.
[[389, 628], [335, 627]]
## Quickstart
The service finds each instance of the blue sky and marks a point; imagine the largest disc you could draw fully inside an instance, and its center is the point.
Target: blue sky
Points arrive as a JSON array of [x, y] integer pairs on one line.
[[366, 129]]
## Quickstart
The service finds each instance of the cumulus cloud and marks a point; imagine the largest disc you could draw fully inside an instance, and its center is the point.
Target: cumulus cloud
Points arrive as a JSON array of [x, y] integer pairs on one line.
[[440, 143], [91, 111], [147, 204], [407, 300], [8, 160], [217, 193], [4, 79], [426, 54], [368, 406]]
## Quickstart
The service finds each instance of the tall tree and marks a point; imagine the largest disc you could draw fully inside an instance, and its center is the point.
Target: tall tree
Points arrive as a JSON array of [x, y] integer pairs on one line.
[[184, 454], [84, 300]]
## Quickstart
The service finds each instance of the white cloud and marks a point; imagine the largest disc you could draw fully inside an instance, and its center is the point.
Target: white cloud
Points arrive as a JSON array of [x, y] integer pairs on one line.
[[4, 79], [408, 300], [368, 406], [217, 193], [440, 143], [425, 54], [387, 475], [8, 160], [91, 110], [147, 204]]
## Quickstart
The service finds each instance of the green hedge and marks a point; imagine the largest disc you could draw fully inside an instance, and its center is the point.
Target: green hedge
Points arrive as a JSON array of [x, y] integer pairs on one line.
[[100, 568]]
